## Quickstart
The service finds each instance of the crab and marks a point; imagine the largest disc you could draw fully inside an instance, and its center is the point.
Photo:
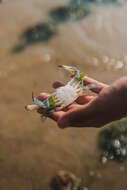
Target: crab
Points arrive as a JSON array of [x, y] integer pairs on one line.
[[63, 96]]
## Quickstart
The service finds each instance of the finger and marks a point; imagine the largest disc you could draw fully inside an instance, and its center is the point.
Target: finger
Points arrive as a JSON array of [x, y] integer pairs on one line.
[[100, 85], [43, 96], [75, 117], [57, 115], [58, 84], [84, 99], [66, 119]]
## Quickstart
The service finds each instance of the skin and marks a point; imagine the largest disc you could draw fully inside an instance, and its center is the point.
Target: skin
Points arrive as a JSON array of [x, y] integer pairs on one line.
[[109, 105]]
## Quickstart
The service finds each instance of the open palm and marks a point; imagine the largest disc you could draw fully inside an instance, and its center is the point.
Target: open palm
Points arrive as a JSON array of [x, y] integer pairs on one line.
[[77, 114]]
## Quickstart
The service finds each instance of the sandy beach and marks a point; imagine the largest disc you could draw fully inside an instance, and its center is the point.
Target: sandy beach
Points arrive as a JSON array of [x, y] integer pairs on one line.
[[31, 152]]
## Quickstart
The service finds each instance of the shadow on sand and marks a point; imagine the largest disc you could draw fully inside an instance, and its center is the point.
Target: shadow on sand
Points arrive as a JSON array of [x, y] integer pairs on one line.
[[41, 32]]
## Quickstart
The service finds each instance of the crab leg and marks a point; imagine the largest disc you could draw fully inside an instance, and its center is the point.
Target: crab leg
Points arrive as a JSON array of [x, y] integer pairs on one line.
[[37, 104], [31, 107]]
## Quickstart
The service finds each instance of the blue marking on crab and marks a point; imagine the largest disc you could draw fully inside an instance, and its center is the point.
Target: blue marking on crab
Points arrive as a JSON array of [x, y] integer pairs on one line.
[[90, 86], [45, 105], [38, 102]]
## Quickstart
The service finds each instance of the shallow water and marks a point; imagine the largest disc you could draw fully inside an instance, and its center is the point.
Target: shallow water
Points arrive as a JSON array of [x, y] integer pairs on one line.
[[32, 152]]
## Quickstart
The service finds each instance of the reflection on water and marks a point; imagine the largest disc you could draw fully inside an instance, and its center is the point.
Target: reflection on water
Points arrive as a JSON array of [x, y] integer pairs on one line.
[[112, 142]]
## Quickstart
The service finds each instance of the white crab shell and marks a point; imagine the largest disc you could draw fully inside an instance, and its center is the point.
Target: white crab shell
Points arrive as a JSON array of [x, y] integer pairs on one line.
[[67, 94], [64, 95]]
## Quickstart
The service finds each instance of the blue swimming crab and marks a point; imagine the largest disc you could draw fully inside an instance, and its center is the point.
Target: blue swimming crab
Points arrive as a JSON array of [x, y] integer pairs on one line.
[[63, 96]]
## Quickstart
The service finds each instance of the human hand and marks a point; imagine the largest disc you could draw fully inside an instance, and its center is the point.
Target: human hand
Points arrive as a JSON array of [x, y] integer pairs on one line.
[[80, 114]]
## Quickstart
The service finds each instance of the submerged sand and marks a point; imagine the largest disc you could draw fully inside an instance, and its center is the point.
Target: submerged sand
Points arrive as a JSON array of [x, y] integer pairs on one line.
[[32, 152]]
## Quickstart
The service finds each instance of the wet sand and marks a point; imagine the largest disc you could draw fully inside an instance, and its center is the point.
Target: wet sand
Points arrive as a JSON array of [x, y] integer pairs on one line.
[[32, 152]]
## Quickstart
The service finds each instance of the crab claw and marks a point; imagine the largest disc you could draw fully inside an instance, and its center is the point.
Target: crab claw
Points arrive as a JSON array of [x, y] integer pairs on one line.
[[32, 107], [70, 69]]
